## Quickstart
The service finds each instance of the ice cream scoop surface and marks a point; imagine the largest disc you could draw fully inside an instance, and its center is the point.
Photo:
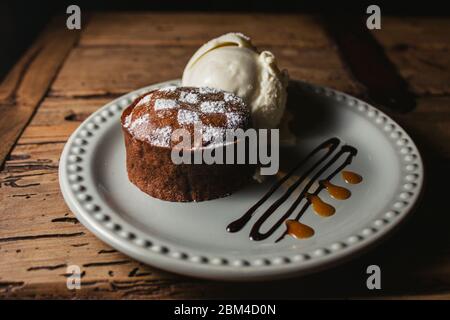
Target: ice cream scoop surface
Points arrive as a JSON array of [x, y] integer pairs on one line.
[[231, 63], [229, 68]]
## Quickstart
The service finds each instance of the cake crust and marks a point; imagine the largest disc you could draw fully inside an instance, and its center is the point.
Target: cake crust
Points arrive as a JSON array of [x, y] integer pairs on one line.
[[147, 125]]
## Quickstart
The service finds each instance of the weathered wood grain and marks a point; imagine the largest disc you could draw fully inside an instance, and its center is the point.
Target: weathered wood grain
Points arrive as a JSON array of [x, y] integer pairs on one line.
[[419, 47], [29, 81], [40, 237], [151, 50], [88, 73], [427, 33], [194, 29], [426, 70], [430, 124]]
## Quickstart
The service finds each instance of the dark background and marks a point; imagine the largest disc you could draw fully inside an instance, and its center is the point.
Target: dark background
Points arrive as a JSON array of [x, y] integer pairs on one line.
[[21, 21]]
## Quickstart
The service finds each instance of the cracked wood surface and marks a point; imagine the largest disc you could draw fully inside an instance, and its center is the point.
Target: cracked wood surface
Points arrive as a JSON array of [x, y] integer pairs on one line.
[[119, 52], [25, 86]]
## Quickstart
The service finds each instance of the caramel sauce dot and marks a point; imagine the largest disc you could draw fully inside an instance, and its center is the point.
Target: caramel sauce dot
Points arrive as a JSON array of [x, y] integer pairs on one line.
[[351, 177], [299, 230], [320, 207], [337, 192]]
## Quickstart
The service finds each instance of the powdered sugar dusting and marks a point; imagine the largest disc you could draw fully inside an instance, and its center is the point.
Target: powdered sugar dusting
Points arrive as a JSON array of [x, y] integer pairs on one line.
[[213, 107], [139, 122], [232, 98], [188, 97], [168, 89], [219, 110], [164, 104], [160, 136], [127, 121], [213, 134], [187, 117], [145, 100], [163, 114], [207, 90], [234, 120], [138, 127]]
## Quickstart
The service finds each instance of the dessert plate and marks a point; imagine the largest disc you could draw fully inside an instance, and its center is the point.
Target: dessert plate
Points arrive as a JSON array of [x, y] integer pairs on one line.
[[192, 238]]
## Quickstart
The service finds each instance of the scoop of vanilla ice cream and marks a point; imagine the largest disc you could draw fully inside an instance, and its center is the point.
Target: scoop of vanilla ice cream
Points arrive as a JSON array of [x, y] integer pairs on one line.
[[231, 63]]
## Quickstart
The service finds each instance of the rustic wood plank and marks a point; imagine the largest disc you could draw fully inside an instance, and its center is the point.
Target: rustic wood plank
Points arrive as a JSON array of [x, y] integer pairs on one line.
[[117, 70], [29, 185], [58, 118], [426, 71], [40, 237], [419, 32], [194, 29], [152, 49], [419, 48], [94, 71], [399, 36], [430, 124], [27, 83], [12, 79]]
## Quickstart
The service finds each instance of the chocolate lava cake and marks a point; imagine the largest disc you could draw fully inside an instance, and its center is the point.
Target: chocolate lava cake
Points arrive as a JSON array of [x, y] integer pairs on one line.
[[148, 124]]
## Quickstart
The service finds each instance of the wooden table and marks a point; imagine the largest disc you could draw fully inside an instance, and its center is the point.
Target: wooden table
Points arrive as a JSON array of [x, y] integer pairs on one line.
[[65, 75]]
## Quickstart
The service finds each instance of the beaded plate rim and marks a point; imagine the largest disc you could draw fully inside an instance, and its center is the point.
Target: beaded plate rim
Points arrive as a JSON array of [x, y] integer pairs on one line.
[[119, 234]]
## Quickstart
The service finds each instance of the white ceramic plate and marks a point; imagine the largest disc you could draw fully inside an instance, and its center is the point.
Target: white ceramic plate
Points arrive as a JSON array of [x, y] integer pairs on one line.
[[191, 238]]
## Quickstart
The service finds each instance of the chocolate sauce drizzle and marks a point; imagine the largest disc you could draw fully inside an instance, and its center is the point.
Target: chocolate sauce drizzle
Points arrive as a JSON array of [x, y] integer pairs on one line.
[[329, 146]]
